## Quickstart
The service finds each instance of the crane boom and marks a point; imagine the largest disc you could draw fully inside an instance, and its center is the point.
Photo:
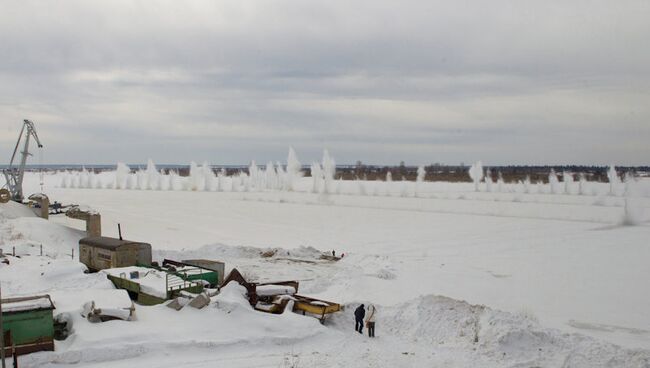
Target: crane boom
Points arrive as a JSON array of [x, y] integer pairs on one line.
[[14, 174]]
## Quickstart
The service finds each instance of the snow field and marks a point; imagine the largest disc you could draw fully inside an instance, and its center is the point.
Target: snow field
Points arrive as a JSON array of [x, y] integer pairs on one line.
[[559, 261]]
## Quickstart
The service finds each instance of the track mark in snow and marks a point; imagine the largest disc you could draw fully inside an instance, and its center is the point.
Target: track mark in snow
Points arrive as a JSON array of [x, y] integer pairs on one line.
[[606, 328]]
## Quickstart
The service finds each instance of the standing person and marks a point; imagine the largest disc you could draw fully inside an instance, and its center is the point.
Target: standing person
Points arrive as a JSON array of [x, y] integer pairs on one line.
[[370, 322], [359, 313]]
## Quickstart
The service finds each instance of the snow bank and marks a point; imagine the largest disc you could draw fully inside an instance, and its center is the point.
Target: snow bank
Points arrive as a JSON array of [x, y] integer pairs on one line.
[[30, 275], [492, 337], [12, 210], [68, 301], [20, 228], [232, 297]]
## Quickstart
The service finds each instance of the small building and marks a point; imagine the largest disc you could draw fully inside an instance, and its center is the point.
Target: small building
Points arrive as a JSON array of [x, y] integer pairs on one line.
[[28, 324], [101, 252]]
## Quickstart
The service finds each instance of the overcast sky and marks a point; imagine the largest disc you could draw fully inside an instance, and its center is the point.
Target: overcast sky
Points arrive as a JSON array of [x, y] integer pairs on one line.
[[506, 82]]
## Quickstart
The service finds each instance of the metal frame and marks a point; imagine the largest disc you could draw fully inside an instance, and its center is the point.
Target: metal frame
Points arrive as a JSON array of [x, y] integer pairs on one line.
[[14, 175]]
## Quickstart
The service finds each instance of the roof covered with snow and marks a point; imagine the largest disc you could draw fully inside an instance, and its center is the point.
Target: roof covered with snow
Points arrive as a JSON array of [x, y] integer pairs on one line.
[[108, 243], [29, 303]]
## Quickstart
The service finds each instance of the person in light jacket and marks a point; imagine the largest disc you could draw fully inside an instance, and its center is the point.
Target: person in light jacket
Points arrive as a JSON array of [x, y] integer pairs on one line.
[[370, 321]]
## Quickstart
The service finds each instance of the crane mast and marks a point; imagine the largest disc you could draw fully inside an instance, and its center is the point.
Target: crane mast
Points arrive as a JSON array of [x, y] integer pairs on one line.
[[14, 173]]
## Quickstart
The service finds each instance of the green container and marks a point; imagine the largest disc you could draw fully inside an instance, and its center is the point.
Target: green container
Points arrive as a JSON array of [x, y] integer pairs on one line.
[[31, 326], [210, 276]]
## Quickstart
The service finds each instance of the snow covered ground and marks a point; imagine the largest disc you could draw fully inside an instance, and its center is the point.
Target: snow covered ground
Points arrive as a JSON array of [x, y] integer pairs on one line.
[[461, 278]]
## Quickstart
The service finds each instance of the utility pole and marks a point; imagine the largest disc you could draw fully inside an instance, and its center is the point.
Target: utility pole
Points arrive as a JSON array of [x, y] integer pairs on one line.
[[2, 333]]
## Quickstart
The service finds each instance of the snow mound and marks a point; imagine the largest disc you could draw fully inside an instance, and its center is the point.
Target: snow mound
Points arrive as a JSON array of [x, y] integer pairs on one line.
[[20, 228], [12, 210], [435, 320], [27, 234], [376, 266], [504, 338], [224, 252], [31, 275], [517, 340], [232, 297]]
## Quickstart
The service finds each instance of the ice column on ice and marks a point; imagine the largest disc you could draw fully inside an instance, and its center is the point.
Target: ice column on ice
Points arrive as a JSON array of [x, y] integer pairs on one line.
[[282, 176], [614, 180], [500, 183], [389, 183], [567, 178], [293, 170], [329, 170], [489, 184], [422, 173], [317, 177], [122, 175], [553, 182], [476, 173], [196, 179], [153, 176], [209, 177], [84, 181], [270, 177], [584, 190], [633, 213], [528, 188]]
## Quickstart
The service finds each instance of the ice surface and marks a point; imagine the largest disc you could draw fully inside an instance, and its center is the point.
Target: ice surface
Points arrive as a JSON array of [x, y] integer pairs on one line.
[[512, 255]]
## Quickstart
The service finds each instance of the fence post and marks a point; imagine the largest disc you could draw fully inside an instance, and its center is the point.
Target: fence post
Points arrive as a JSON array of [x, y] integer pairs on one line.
[[41, 250], [13, 251], [72, 253]]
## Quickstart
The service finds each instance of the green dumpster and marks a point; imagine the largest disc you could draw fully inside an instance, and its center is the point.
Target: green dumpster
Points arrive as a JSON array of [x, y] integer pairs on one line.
[[28, 324]]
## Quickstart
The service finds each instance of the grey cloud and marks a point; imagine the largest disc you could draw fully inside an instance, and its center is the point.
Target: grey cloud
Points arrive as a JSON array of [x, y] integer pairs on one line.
[[421, 81]]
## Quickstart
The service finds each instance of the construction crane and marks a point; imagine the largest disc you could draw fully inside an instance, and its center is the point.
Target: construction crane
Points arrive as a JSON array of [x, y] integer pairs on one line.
[[15, 172]]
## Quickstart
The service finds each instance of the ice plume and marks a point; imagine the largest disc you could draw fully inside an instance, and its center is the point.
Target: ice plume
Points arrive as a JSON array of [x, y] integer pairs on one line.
[[122, 175], [317, 177], [419, 180], [329, 171], [527, 185], [614, 180], [476, 174], [583, 185], [633, 211], [500, 183], [153, 176], [489, 183], [567, 178], [554, 182], [255, 176], [294, 170]]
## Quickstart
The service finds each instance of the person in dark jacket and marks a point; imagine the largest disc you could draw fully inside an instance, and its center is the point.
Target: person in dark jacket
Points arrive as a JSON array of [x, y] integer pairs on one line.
[[359, 314]]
